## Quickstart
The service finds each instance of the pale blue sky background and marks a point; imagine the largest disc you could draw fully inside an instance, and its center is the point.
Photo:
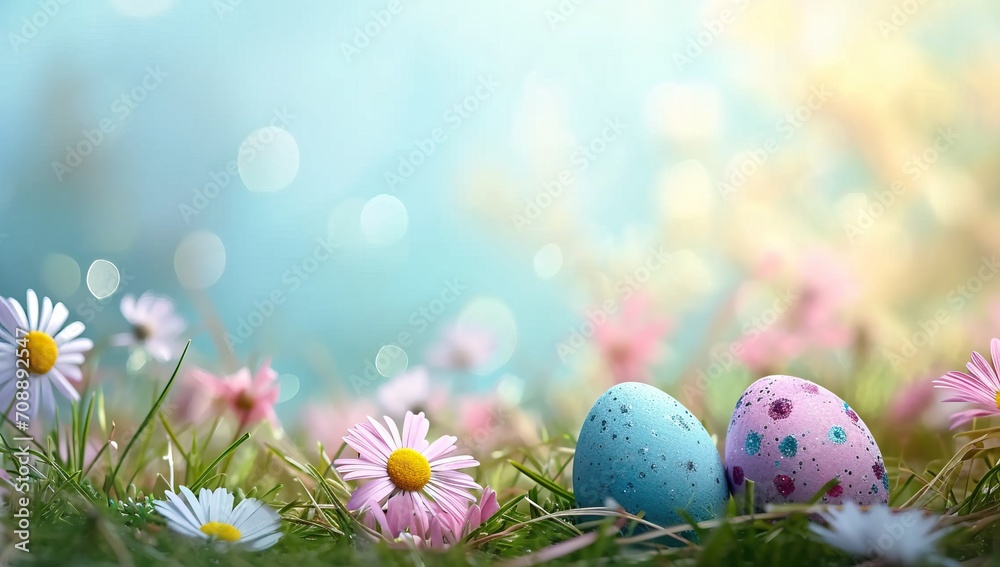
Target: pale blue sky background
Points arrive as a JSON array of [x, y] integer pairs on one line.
[[224, 75]]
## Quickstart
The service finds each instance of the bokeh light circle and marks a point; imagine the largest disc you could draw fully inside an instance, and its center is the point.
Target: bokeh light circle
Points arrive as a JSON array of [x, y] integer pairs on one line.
[[689, 192], [391, 360], [61, 274], [548, 261], [200, 260], [510, 390], [288, 386], [103, 278], [384, 220], [268, 159]]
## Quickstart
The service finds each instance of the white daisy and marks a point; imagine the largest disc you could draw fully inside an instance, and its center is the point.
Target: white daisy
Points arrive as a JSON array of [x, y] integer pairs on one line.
[[252, 524], [156, 327], [905, 538], [51, 354]]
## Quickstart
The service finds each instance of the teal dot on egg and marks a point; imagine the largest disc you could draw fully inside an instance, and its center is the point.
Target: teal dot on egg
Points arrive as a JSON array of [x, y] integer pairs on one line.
[[789, 446], [837, 435], [752, 444]]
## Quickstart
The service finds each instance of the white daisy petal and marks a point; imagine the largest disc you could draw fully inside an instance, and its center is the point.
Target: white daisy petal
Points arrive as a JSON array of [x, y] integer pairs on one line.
[[74, 358], [70, 332], [128, 308], [58, 319], [43, 321], [8, 322], [142, 306], [62, 384], [32, 307], [77, 345], [18, 313], [122, 339], [264, 543], [176, 518], [205, 501], [195, 506], [183, 508], [243, 511]]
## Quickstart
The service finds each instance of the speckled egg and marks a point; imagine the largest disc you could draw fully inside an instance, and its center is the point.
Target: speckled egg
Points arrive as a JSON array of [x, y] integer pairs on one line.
[[791, 436], [645, 450]]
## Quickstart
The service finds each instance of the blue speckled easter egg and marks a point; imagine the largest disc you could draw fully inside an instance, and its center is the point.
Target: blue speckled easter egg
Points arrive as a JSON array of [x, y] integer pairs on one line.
[[791, 436], [645, 450]]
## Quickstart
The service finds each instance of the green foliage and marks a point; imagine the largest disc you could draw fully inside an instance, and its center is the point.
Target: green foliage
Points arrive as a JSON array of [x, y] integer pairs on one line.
[[94, 505]]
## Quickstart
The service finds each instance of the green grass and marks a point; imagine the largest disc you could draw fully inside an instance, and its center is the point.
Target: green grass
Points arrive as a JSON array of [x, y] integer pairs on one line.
[[95, 509]]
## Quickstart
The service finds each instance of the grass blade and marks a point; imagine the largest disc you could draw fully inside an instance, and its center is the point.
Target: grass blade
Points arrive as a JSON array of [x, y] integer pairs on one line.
[[543, 481], [204, 476], [110, 483]]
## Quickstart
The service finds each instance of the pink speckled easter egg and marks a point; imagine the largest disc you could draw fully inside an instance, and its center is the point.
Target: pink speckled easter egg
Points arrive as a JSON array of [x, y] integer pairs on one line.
[[791, 436]]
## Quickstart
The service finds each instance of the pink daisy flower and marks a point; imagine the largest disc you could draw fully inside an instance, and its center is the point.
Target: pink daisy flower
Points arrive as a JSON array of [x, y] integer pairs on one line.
[[981, 387], [250, 398], [156, 328], [631, 343], [407, 466], [443, 530]]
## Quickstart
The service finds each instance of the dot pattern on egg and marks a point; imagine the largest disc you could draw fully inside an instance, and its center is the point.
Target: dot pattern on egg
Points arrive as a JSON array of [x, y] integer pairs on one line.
[[791, 436], [644, 449]]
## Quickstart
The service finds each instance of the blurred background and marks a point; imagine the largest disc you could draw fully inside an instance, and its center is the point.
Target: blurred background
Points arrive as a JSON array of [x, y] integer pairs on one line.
[[517, 202]]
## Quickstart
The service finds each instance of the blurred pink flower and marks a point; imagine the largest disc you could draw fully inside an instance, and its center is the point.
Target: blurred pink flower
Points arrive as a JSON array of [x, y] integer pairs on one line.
[[189, 404], [409, 391], [250, 398], [631, 342], [805, 317], [156, 328], [910, 403], [981, 387], [328, 423], [479, 417], [462, 348]]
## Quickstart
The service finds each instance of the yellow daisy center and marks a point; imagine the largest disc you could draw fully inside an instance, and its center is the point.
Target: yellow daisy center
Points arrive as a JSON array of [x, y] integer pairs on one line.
[[41, 353], [408, 469], [997, 400], [219, 530]]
